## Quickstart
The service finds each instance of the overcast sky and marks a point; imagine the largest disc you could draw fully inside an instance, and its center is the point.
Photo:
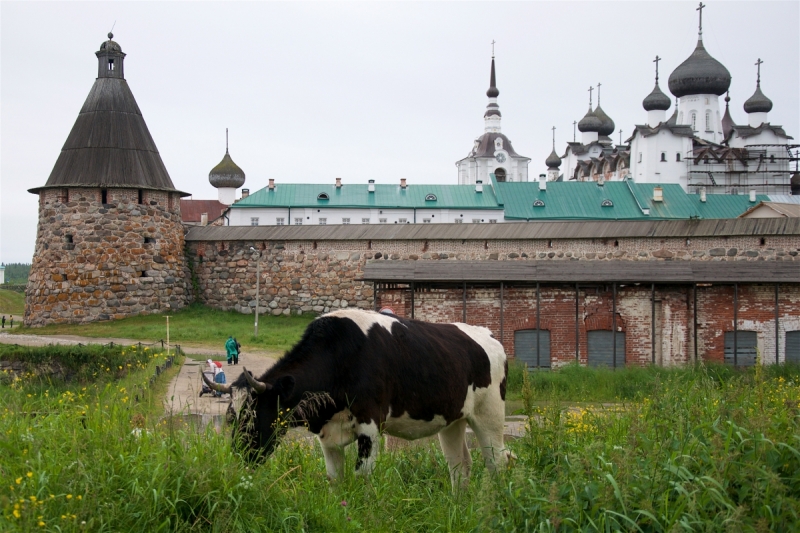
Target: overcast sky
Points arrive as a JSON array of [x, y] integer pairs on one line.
[[312, 91]]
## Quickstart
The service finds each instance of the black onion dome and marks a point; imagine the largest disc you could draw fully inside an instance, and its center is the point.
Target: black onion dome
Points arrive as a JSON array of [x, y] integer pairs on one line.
[[110, 46], [553, 161], [758, 103], [226, 174], [590, 122], [656, 100], [699, 74], [606, 124]]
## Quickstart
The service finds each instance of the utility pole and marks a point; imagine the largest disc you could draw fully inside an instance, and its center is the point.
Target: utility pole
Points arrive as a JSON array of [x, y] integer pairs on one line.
[[258, 281]]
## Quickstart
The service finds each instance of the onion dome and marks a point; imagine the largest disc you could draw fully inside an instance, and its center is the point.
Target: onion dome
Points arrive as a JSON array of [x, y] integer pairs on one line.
[[227, 174], [699, 74], [758, 103], [727, 120], [606, 124], [656, 100], [110, 46], [590, 122], [553, 161]]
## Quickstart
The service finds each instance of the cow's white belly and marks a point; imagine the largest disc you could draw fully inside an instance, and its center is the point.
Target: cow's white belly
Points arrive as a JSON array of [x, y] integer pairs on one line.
[[407, 428]]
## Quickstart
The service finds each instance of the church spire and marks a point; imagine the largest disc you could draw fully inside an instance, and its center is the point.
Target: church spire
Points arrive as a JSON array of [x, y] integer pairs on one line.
[[492, 115]]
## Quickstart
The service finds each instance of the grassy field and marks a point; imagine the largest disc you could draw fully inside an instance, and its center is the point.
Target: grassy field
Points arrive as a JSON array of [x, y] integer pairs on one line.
[[194, 325], [13, 303], [705, 449]]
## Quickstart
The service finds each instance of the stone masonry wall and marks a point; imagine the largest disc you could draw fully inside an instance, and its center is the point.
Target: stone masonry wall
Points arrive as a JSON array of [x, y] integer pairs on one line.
[[320, 276], [96, 261]]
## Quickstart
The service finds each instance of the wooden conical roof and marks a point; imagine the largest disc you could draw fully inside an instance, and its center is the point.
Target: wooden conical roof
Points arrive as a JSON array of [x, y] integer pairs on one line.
[[110, 145]]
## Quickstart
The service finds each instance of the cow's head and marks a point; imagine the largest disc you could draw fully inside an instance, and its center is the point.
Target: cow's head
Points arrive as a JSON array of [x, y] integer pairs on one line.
[[263, 416]]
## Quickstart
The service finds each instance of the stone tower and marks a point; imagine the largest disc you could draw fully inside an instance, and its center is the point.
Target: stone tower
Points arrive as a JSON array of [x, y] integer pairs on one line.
[[110, 240]]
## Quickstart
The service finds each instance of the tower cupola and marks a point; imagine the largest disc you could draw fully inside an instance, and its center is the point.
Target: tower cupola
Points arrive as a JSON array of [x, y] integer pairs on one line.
[[110, 59], [758, 105], [589, 125], [606, 124], [656, 103], [226, 177]]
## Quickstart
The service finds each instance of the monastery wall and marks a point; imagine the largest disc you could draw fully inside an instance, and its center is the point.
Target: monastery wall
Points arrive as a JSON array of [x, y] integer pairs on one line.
[[321, 276]]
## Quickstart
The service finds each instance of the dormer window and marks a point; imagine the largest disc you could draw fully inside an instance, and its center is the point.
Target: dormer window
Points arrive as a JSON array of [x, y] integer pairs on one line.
[[607, 203], [323, 196], [538, 203], [430, 198]]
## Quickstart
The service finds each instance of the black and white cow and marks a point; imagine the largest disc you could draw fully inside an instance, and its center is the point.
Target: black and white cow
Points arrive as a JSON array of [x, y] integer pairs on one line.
[[356, 374]]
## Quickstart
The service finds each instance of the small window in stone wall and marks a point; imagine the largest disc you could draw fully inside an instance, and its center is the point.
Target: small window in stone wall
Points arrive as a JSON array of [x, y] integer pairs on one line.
[[64, 196], [68, 239], [103, 196], [149, 240], [141, 196]]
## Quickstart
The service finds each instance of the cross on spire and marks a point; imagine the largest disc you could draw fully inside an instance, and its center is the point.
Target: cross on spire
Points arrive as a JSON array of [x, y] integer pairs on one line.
[[493, 41], [700, 30], [758, 65], [574, 123], [226, 140], [554, 137], [591, 88], [598, 93], [656, 60]]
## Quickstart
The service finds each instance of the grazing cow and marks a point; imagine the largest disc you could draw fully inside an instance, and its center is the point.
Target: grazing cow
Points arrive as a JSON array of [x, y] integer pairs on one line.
[[355, 374]]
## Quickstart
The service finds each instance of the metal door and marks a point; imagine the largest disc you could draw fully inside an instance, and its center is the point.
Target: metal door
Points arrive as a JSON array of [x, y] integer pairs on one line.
[[793, 347], [746, 346], [525, 347], [601, 349]]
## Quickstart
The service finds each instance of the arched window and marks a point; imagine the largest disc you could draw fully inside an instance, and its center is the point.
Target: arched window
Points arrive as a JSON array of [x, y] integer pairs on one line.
[[323, 196], [500, 174], [694, 121], [708, 120], [538, 203], [430, 198], [607, 203]]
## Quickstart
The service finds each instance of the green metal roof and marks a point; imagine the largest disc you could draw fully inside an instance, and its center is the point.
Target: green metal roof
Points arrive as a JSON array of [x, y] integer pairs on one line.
[[358, 196], [628, 201]]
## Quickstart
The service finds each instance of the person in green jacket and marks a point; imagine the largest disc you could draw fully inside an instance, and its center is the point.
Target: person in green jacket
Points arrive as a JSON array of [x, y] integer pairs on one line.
[[232, 347]]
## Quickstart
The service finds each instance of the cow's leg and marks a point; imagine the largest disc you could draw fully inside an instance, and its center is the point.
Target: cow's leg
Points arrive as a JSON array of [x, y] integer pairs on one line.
[[334, 458], [454, 445], [489, 431], [368, 442]]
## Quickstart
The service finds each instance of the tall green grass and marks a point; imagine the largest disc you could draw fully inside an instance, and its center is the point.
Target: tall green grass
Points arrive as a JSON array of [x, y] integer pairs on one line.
[[689, 449]]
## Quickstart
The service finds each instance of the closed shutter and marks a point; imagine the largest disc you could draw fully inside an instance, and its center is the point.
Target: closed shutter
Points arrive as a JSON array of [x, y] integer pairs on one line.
[[793, 347], [525, 347], [601, 348], [746, 344]]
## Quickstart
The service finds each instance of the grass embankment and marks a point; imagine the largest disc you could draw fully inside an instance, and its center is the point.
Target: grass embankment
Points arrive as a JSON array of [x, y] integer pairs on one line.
[[12, 303], [195, 325], [689, 449]]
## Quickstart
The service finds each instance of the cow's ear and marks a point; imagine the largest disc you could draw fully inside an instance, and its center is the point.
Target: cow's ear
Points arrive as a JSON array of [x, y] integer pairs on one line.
[[285, 386]]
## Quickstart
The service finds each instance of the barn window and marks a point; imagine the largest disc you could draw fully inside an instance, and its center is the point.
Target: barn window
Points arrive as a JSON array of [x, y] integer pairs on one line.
[[525, 348], [793, 347], [601, 349], [746, 348]]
